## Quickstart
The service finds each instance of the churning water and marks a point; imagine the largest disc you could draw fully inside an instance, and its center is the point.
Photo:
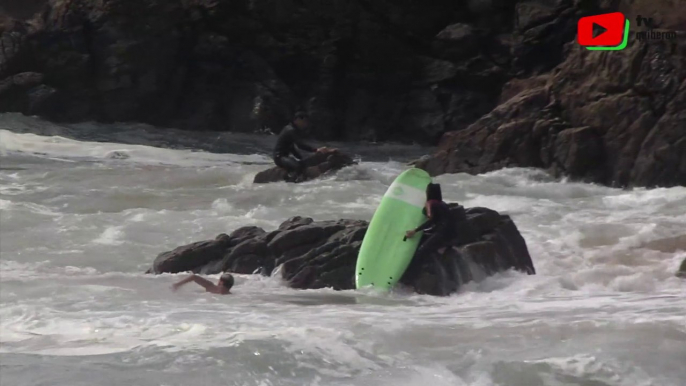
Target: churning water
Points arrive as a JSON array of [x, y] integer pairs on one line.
[[86, 208]]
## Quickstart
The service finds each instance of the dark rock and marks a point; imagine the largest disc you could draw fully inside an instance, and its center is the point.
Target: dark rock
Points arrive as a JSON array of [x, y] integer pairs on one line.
[[21, 9], [25, 92], [317, 254], [371, 70], [297, 237], [517, 245], [295, 222], [351, 234], [682, 270], [456, 41], [191, 257], [429, 283], [249, 247], [293, 264], [500, 83], [245, 264], [246, 233], [303, 278], [317, 165], [578, 150], [483, 253], [340, 278], [484, 222], [300, 250], [614, 118]]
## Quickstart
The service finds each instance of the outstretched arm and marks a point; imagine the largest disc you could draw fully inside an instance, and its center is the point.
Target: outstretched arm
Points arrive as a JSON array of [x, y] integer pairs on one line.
[[208, 285]]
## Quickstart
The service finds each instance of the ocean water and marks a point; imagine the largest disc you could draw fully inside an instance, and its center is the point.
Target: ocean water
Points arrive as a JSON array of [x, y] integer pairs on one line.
[[86, 208]]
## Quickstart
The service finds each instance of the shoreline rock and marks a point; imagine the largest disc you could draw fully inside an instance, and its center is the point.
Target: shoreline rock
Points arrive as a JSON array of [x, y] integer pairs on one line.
[[495, 83], [317, 165], [319, 254], [365, 70], [614, 118]]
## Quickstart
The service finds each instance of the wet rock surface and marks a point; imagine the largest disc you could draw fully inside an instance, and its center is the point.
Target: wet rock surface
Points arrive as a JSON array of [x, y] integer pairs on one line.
[[318, 254], [614, 117], [317, 165], [364, 69], [495, 83]]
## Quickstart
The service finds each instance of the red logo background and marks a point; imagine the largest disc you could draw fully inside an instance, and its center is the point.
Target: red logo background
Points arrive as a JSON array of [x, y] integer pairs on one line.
[[612, 22]]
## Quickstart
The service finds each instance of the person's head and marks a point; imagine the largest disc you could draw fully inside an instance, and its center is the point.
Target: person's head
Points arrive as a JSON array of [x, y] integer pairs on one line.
[[226, 280], [301, 120], [433, 192]]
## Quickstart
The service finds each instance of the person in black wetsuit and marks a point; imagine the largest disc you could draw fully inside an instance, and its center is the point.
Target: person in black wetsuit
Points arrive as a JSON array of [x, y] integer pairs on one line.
[[286, 154], [440, 227]]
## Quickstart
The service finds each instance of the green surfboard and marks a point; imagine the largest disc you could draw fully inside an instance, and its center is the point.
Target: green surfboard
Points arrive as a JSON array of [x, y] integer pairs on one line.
[[383, 255]]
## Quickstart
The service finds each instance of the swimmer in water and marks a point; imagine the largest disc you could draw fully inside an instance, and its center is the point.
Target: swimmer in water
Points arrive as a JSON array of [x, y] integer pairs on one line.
[[222, 287]]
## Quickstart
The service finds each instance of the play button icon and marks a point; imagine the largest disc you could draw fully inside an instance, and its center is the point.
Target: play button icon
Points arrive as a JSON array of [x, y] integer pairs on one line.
[[598, 30], [602, 30]]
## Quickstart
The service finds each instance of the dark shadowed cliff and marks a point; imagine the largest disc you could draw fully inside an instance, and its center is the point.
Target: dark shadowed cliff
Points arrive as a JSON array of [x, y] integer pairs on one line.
[[499, 82]]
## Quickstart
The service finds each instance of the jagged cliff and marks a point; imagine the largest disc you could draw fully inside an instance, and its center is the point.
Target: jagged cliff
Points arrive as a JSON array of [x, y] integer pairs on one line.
[[499, 82]]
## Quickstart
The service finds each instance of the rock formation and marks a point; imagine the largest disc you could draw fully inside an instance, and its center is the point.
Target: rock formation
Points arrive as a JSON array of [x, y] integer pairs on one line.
[[318, 164], [682, 270], [613, 117], [365, 69], [317, 254], [502, 82]]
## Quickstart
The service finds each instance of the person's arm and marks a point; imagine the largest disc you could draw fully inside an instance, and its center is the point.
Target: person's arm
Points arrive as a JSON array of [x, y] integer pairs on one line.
[[176, 286], [428, 224], [208, 285], [302, 145], [432, 215]]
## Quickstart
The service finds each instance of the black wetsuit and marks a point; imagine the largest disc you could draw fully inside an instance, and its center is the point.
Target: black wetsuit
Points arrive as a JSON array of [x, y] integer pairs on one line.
[[441, 227], [286, 153]]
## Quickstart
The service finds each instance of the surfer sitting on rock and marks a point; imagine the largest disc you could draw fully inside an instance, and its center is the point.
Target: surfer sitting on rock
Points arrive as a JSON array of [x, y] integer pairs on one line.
[[223, 286], [286, 154], [441, 225]]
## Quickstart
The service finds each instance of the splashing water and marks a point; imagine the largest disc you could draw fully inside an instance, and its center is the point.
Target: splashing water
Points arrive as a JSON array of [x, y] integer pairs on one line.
[[86, 208]]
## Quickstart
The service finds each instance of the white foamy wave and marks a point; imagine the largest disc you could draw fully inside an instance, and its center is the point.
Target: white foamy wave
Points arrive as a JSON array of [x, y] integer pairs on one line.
[[61, 148], [78, 235], [111, 236]]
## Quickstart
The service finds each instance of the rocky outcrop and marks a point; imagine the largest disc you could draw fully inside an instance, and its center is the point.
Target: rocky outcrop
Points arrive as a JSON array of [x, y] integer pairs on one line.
[[25, 92], [682, 270], [318, 254], [500, 83], [615, 118], [21, 9], [365, 69], [317, 165]]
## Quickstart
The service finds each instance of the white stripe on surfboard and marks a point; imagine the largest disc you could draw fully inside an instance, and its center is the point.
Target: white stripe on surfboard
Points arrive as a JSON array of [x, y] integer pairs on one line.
[[406, 193]]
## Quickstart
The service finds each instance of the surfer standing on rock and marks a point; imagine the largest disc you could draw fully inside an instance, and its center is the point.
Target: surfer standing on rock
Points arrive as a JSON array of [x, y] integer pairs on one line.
[[286, 154]]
